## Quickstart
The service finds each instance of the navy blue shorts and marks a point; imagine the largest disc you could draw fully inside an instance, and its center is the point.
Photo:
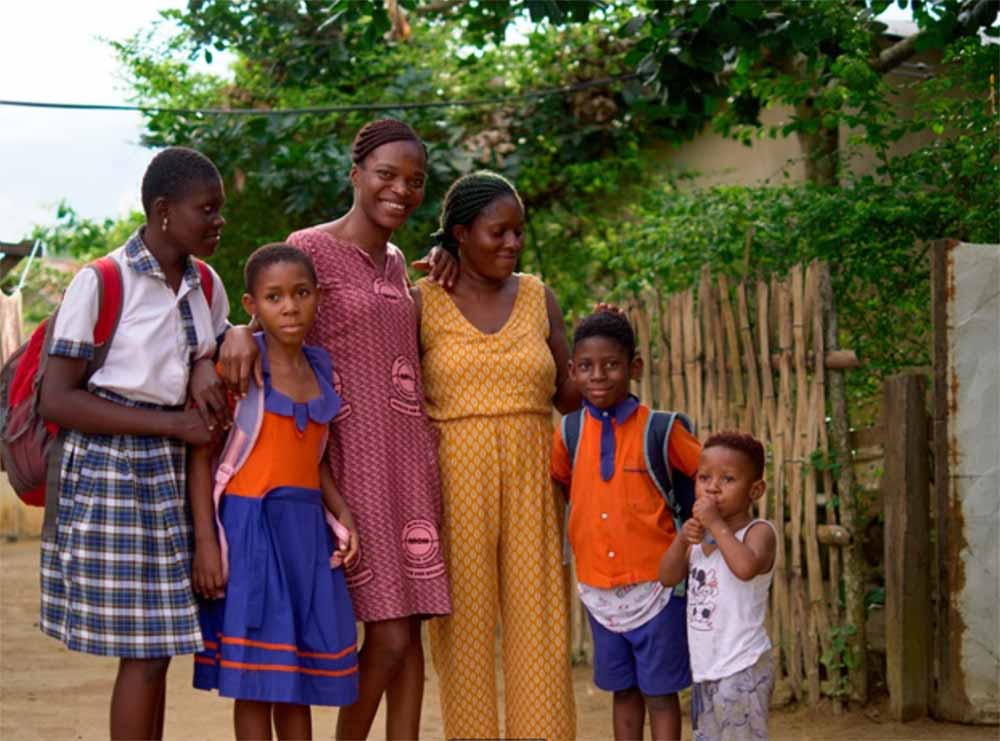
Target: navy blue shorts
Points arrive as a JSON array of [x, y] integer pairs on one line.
[[653, 657]]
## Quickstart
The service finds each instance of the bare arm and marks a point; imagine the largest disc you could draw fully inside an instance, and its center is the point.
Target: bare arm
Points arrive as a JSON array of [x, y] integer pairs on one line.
[[208, 394], [567, 397], [206, 574], [562, 489], [65, 401], [674, 564], [442, 265], [751, 557], [746, 559], [238, 357]]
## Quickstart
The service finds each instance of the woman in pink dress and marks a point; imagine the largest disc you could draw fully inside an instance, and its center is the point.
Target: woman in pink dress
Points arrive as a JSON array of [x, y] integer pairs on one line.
[[382, 448]]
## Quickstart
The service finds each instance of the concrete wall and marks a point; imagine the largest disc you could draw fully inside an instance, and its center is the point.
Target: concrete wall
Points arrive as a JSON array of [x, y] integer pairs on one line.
[[968, 452], [721, 161]]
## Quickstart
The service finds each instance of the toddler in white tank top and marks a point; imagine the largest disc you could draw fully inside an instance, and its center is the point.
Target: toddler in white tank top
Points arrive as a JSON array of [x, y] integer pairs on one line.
[[729, 575]]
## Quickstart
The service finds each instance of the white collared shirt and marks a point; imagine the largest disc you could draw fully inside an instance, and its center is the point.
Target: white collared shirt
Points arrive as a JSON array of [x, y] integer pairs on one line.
[[160, 332]]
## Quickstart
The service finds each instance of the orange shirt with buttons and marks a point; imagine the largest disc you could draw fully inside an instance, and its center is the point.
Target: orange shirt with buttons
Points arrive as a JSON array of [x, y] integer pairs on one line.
[[620, 528]]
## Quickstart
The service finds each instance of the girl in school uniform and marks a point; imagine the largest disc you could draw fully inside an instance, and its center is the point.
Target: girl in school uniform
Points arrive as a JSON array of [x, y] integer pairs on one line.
[[115, 569], [283, 636], [382, 451]]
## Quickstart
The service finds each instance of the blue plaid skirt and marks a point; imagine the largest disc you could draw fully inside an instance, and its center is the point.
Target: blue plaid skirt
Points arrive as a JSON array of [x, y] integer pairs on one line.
[[116, 571]]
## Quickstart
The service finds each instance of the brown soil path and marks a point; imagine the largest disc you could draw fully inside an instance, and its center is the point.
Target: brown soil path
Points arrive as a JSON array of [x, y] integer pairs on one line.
[[48, 692]]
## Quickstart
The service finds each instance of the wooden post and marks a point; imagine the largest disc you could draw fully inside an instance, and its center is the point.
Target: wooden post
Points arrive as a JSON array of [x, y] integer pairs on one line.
[[854, 558], [736, 402], [819, 376], [640, 320], [947, 659], [709, 422], [906, 504], [755, 417], [679, 396], [787, 567], [663, 370]]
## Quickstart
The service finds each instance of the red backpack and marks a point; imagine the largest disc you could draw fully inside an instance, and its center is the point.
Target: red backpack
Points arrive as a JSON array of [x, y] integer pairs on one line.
[[26, 440]]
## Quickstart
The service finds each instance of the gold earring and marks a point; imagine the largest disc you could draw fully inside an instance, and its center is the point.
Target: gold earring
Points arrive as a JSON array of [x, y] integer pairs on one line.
[[164, 223]]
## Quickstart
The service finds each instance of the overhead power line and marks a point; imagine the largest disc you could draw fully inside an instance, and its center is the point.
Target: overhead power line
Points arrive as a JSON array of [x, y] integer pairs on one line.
[[460, 103]]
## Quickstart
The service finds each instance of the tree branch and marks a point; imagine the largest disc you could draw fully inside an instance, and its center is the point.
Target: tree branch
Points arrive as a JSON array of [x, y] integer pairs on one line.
[[436, 6], [982, 14], [895, 55]]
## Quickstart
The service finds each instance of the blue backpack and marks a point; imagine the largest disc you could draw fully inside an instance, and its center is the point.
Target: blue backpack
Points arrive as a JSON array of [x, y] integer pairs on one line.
[[676, 487]]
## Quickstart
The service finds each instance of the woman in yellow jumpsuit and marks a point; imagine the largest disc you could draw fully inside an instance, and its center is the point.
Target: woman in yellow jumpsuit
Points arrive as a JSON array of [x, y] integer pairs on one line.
[[494, 363]]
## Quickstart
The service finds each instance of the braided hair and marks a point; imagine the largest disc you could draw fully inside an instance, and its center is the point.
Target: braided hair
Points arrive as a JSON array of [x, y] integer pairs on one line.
[[382, 131], [609, 325], [173, 171], [466, 199]]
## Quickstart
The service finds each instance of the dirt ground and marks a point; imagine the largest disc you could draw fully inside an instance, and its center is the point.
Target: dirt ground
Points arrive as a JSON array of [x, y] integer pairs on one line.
[[48, 692]]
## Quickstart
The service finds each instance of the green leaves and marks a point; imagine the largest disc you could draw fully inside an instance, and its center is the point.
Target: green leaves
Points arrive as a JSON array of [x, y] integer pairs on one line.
[[606, 216]]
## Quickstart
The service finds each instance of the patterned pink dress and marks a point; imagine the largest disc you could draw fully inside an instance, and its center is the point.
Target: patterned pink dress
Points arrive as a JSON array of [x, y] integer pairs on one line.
[[383, 450]]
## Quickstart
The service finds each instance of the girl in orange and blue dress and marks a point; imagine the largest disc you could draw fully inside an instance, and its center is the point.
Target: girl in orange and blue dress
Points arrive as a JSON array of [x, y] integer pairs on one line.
[[282, 637], [382, 450]]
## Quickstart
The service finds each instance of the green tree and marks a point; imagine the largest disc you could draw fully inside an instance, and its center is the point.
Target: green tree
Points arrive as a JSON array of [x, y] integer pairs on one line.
[[582, 160], [720, 62], [283, 172], [605, 219]]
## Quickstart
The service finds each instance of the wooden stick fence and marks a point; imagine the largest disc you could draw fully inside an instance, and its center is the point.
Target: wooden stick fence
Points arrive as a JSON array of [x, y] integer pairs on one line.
[[756, 358]]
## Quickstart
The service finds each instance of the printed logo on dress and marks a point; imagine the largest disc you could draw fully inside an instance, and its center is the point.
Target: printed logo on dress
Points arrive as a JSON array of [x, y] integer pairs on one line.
[[386, 290], [703, 590], [355, 573], [422, 550], [404, 384]]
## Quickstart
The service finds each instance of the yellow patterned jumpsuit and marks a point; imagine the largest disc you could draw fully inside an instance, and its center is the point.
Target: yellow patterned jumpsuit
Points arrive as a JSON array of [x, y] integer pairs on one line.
[[490, 396]]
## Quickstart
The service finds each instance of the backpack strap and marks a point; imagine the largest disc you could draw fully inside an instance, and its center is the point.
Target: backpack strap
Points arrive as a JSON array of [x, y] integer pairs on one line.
[[572, 424], [110, 290], [110, 293], [571, 427], [671, 483], [247, 420], [207, 283], [682, 484], [655, 446], [676, 487]]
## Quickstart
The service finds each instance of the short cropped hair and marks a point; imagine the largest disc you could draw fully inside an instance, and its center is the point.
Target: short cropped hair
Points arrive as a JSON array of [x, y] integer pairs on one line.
[[742, 442], [609, 324], [173, 172], [272, 254]]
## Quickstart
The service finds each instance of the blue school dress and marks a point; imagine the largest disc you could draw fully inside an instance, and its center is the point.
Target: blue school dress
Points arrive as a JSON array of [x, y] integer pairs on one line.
[[284, 632]]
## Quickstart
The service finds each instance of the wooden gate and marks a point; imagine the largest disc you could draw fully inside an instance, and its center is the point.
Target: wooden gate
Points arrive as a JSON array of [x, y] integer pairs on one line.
[[764, 358]]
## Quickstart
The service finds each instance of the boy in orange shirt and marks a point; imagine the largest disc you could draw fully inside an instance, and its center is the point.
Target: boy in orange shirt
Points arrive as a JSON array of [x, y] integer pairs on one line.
[[619, 528]]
